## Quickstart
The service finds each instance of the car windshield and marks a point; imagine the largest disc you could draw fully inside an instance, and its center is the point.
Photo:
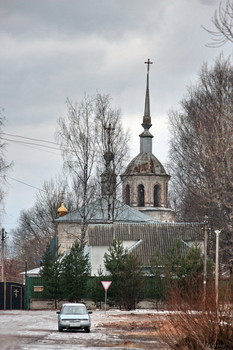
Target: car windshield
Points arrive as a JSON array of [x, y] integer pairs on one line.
[[74, 310]]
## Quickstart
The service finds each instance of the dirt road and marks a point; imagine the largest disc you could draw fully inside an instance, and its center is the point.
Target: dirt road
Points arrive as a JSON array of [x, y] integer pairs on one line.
[[37, 330]]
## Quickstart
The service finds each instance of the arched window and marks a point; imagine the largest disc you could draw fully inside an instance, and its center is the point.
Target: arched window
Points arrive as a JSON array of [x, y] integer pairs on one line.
[[141, 196], [127, 195], [156, 196]]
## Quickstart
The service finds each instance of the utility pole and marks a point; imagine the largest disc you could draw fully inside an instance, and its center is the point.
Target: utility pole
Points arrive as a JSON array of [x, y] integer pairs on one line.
[[205, 229], [217, 265], [3, 254]]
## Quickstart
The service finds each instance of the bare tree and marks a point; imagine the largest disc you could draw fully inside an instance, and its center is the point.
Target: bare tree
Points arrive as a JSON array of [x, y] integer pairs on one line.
[[201, 149], [112, 148], [4, 165], [77, 138], [84, 141], [36, 228], [223, 22], [110, 134]]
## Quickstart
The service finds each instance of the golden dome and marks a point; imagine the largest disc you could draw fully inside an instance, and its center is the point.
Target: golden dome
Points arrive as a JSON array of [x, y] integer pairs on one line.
[[62, 210]]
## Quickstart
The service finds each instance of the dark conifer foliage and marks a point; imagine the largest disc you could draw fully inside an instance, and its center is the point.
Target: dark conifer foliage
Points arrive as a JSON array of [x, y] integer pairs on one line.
[[75, 270], [126, 274], [51, 272]]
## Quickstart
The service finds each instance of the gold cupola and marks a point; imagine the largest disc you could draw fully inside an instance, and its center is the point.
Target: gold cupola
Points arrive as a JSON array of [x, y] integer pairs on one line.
[[62, 211]]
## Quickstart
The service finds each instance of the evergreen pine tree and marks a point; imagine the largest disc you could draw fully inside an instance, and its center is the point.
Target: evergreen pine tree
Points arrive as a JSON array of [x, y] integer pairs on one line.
[[181, 269], [126, 274], [50, 272], [75, 271]]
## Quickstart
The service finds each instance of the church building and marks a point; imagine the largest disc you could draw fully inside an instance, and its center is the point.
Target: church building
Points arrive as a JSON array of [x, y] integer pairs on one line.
[[143, 220]]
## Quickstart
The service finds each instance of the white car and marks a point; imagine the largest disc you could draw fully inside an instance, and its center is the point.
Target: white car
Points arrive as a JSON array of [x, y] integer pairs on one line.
[[74, 316]]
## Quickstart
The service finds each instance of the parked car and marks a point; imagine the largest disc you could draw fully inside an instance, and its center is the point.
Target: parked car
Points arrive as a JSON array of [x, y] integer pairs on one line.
[[74, 316]]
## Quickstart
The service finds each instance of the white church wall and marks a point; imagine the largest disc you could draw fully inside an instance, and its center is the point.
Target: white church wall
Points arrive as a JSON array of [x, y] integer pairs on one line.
[[96, 256]]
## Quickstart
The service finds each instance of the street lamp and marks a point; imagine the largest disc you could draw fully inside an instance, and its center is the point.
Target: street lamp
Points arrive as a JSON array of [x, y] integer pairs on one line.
[[205, 229], [217, 265]]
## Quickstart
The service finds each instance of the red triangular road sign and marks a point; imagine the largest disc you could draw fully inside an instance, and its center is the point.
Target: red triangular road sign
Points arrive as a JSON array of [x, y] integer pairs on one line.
[[106, 284]]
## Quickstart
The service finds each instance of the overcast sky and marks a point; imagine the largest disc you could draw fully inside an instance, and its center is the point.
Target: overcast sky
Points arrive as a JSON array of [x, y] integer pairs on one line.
[[54, 49]]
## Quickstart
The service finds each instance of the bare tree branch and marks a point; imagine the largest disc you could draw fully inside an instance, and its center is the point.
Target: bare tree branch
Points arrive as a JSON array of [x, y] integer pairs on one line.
[[201, 150], [36, 228], [223, 22], [4, 165], [84, 140]]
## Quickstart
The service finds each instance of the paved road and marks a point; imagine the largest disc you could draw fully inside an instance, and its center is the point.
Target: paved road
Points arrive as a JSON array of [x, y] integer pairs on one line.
[[37, 330]]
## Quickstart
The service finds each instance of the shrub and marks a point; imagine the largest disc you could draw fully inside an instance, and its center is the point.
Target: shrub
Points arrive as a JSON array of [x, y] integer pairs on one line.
[[196, 322]]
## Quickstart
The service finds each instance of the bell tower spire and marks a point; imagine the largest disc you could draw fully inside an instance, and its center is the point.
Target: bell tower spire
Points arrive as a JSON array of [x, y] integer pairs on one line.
[[145, 136], [147, 118]]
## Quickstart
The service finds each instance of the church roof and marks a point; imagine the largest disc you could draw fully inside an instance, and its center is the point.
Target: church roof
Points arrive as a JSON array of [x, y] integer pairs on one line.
[[98, 212], [151, 238], [145, 163]]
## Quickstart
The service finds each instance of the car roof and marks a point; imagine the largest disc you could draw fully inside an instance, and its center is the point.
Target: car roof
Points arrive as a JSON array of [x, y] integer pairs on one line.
[[73, 304]]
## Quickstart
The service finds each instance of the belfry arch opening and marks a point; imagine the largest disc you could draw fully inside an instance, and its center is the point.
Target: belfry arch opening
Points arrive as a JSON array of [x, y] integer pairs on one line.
[[157, 195], [141, 196], [127, 194]]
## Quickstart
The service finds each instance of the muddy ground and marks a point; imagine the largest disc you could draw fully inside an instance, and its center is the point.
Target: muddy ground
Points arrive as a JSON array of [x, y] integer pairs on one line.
[[37, 330], [135, 330]]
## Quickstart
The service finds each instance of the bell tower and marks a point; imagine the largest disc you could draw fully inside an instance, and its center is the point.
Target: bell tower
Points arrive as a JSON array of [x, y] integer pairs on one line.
[[145, 181]]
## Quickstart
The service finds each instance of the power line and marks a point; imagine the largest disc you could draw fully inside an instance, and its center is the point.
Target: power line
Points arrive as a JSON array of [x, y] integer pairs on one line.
[[30, 143], [34, 144], [29, 138]]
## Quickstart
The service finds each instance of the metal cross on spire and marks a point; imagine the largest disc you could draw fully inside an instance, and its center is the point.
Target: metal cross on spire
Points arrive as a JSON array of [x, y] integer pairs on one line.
[[148, 62]]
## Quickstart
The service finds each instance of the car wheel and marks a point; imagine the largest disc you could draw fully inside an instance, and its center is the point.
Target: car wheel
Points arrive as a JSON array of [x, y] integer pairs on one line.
[[60, 328], [87, 329]]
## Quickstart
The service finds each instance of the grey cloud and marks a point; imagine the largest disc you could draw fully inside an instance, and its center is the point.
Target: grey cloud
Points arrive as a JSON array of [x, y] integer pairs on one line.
[[54, 49], [71, 18]]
